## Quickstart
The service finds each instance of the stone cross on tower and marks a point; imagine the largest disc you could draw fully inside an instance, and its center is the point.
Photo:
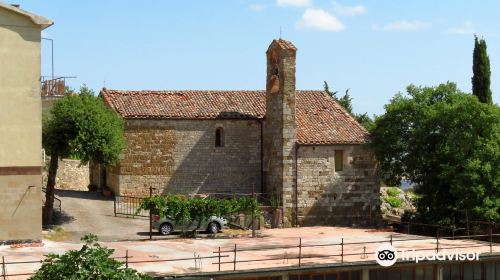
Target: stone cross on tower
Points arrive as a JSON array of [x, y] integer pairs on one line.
[[280, 126]]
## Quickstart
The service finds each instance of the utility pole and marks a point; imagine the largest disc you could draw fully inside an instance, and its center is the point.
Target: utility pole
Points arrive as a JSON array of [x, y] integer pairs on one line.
[[150, 215], [52, 53], [253, 211]]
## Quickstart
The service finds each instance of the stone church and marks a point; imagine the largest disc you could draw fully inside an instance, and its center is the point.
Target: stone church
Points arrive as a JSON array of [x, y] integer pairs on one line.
[[297, 146]]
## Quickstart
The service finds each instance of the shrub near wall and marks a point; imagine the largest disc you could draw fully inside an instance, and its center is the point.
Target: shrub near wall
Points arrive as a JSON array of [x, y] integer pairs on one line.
[[183, 209]]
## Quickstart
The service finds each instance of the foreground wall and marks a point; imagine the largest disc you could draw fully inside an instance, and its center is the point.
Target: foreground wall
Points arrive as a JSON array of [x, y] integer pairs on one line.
[[488, 268], [331, 197], [20, 215], [180, 156], [20, 128]]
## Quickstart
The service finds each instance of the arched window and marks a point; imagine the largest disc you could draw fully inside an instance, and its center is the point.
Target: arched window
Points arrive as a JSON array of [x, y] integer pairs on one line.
[[219, 137]]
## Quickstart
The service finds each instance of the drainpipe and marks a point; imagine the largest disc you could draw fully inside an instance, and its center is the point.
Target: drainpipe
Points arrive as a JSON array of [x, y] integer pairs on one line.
[[296, 187], [260, 121]]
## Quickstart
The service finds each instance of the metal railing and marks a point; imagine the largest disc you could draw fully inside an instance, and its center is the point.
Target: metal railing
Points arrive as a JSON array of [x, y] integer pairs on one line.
[[197, 260], [4, 268], [261, 197], [475, 228], [339, 250], [344, 250], [128, 205], [57, 201], [53, 86]]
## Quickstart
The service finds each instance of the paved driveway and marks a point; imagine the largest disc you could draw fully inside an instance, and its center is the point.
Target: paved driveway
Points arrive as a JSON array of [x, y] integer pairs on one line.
[[90, 212]]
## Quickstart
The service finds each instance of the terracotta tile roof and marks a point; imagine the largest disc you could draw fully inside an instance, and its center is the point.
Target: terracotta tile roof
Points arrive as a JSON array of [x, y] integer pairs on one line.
[[320, 120], [187, 104], [286, 45]]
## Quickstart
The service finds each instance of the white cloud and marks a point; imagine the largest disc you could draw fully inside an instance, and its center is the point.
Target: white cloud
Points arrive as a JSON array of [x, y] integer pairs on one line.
[[319, 20], [466, 29], [257, 7], [403, 25], [348, 10], [296, 3]]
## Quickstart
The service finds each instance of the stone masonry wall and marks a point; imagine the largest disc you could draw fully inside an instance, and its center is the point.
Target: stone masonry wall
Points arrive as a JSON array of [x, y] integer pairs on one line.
[[345, 197], [70, 175], [179, 156]]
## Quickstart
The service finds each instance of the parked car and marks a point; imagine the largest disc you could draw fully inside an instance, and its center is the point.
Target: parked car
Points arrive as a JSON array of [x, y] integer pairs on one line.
[[166, 225]]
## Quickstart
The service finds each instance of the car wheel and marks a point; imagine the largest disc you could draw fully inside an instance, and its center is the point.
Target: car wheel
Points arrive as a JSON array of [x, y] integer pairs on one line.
[[213, 227], [166, 229]]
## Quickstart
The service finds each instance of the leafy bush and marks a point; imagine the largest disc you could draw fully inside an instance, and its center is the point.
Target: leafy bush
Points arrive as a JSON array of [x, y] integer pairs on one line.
[[412, 195], [92, 261], [393, 201], [183, 209], [393, 191]]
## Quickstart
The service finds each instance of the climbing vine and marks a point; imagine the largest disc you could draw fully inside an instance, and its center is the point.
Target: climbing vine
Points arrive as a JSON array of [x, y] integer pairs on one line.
[[184, 209]]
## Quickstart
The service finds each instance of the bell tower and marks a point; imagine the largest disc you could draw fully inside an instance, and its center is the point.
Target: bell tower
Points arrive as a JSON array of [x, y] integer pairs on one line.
[[280, 126]]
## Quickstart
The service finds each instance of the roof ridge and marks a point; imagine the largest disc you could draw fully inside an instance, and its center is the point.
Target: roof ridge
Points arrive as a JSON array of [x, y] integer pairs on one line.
[[200, 90]]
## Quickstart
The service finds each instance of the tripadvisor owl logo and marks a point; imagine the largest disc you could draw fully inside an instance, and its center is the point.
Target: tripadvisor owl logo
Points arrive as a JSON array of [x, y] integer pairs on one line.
[[386, 255]]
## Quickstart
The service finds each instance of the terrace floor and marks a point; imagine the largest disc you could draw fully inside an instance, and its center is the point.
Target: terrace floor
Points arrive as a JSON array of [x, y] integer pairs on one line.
[[359, 246]]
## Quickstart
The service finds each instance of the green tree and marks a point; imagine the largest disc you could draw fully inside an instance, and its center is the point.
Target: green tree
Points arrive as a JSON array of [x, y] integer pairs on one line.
[[92, 261], [481, 69], [83, 127], [346, 102], [448, 143], [365, 120]]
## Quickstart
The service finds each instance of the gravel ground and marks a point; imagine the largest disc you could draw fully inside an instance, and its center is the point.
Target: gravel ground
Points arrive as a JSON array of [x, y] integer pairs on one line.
[[90, 212]]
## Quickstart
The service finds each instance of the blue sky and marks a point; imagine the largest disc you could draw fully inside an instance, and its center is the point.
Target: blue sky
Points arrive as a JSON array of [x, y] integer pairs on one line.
[[375, 48]]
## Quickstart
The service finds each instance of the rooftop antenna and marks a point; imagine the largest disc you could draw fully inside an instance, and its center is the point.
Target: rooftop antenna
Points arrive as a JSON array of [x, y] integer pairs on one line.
[[104, 83], [280, 31]]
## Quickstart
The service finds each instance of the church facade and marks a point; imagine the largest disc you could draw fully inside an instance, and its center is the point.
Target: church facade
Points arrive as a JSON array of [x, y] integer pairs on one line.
[[300, 148]]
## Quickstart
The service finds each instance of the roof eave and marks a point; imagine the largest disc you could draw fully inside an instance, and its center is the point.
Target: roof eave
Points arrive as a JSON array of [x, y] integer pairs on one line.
[[187, 118], [47, 25], [328, 143], [36, 19]]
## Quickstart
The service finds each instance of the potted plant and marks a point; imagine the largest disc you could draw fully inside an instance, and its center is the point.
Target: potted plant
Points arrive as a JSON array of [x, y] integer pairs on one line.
[[276, 210], [106, 191]]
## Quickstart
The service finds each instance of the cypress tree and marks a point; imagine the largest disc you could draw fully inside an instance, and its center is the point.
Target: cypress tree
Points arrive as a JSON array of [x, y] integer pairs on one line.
[[481, 72]]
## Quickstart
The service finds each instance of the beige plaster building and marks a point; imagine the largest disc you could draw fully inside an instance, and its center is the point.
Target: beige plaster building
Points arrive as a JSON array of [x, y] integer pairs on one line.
[[20, 123]]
